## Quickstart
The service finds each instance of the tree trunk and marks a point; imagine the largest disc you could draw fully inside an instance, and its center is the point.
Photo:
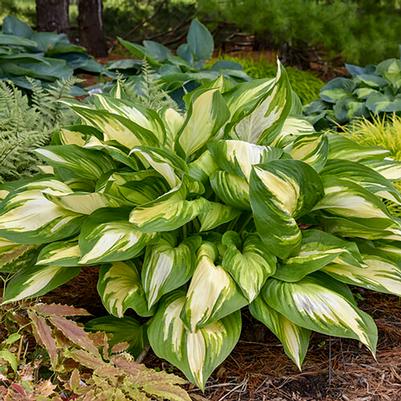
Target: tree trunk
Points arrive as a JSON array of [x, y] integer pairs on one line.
[[90, 21], [52, 15]]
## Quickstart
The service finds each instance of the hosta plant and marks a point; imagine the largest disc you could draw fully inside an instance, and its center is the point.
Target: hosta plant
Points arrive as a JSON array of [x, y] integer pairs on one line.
[[304, 83], [183, 71], [46, 56], [374, 90], [192, 217]]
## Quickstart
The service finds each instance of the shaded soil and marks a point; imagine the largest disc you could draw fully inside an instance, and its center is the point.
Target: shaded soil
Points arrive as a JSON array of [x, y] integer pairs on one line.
[[258, 370]]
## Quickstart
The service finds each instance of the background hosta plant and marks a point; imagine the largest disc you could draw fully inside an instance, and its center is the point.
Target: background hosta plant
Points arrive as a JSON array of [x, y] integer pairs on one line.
[[191, 217], [370, 91], [181, 72], [46, 56]]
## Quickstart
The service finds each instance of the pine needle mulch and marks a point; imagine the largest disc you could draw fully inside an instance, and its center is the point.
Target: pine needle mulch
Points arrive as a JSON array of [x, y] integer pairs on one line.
[[258, 370], [334, 369]]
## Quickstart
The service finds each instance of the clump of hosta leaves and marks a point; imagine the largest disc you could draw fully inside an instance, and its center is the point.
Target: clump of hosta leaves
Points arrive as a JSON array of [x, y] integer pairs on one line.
[[192, 217]]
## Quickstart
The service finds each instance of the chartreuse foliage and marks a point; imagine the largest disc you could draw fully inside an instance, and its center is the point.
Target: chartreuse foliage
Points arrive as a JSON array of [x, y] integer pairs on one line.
[[191, 217]]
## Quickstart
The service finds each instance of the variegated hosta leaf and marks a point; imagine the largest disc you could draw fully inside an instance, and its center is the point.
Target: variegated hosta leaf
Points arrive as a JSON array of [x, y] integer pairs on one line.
[[120, 288], [83, 163], [165, 162], [249, 263], [173, 122], [292, 128], [68, 137], [388, 168], [212, 293], [198, 353], [231, 189], [263, 122], [83, 202], [214, 214], [62, 253], [346, 149], [364, 176], [141, 116], [116, 127], [27, 217], [246, 95], [35, 281], [388, 249], [113, 151], [311, 149], [203, 167], [314, 305], [107, 236], [168, 212], [167, 267], [14, 256], [295, 339], [382, 272], [238, 157], [362, 228], [347, 199], [206, 115], [133, 188], [280, 192], [318, 249]]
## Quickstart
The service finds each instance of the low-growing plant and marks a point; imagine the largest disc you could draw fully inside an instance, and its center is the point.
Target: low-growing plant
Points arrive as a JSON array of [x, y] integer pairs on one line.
[[82, 366], [192, 217], [373, 90], [305, 83], [184, 71], [46, 56]]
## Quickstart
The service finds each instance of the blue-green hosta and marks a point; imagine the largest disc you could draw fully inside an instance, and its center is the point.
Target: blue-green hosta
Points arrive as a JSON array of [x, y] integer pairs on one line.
[[191, 217]]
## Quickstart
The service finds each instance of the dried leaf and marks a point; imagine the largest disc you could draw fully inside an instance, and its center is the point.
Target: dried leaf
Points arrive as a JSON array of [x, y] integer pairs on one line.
[[141, 375], [166, 391], [43, 334], [75, 334], [85, 358], [120, 347], [45, 388], [75, 381], [108, 371], [59, 310]]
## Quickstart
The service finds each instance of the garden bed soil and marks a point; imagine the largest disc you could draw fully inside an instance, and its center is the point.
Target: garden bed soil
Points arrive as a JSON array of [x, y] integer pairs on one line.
[[258, 370]]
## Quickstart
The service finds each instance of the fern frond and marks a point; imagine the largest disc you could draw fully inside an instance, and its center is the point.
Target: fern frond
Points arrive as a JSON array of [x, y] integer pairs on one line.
[[146, 89], [26, 124]]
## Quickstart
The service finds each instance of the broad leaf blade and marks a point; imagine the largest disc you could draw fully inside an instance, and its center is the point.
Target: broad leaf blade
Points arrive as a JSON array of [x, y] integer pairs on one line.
[[295, 339], [198, 353], [309, 303], [36, 281], [120, 288], [281, 191]]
